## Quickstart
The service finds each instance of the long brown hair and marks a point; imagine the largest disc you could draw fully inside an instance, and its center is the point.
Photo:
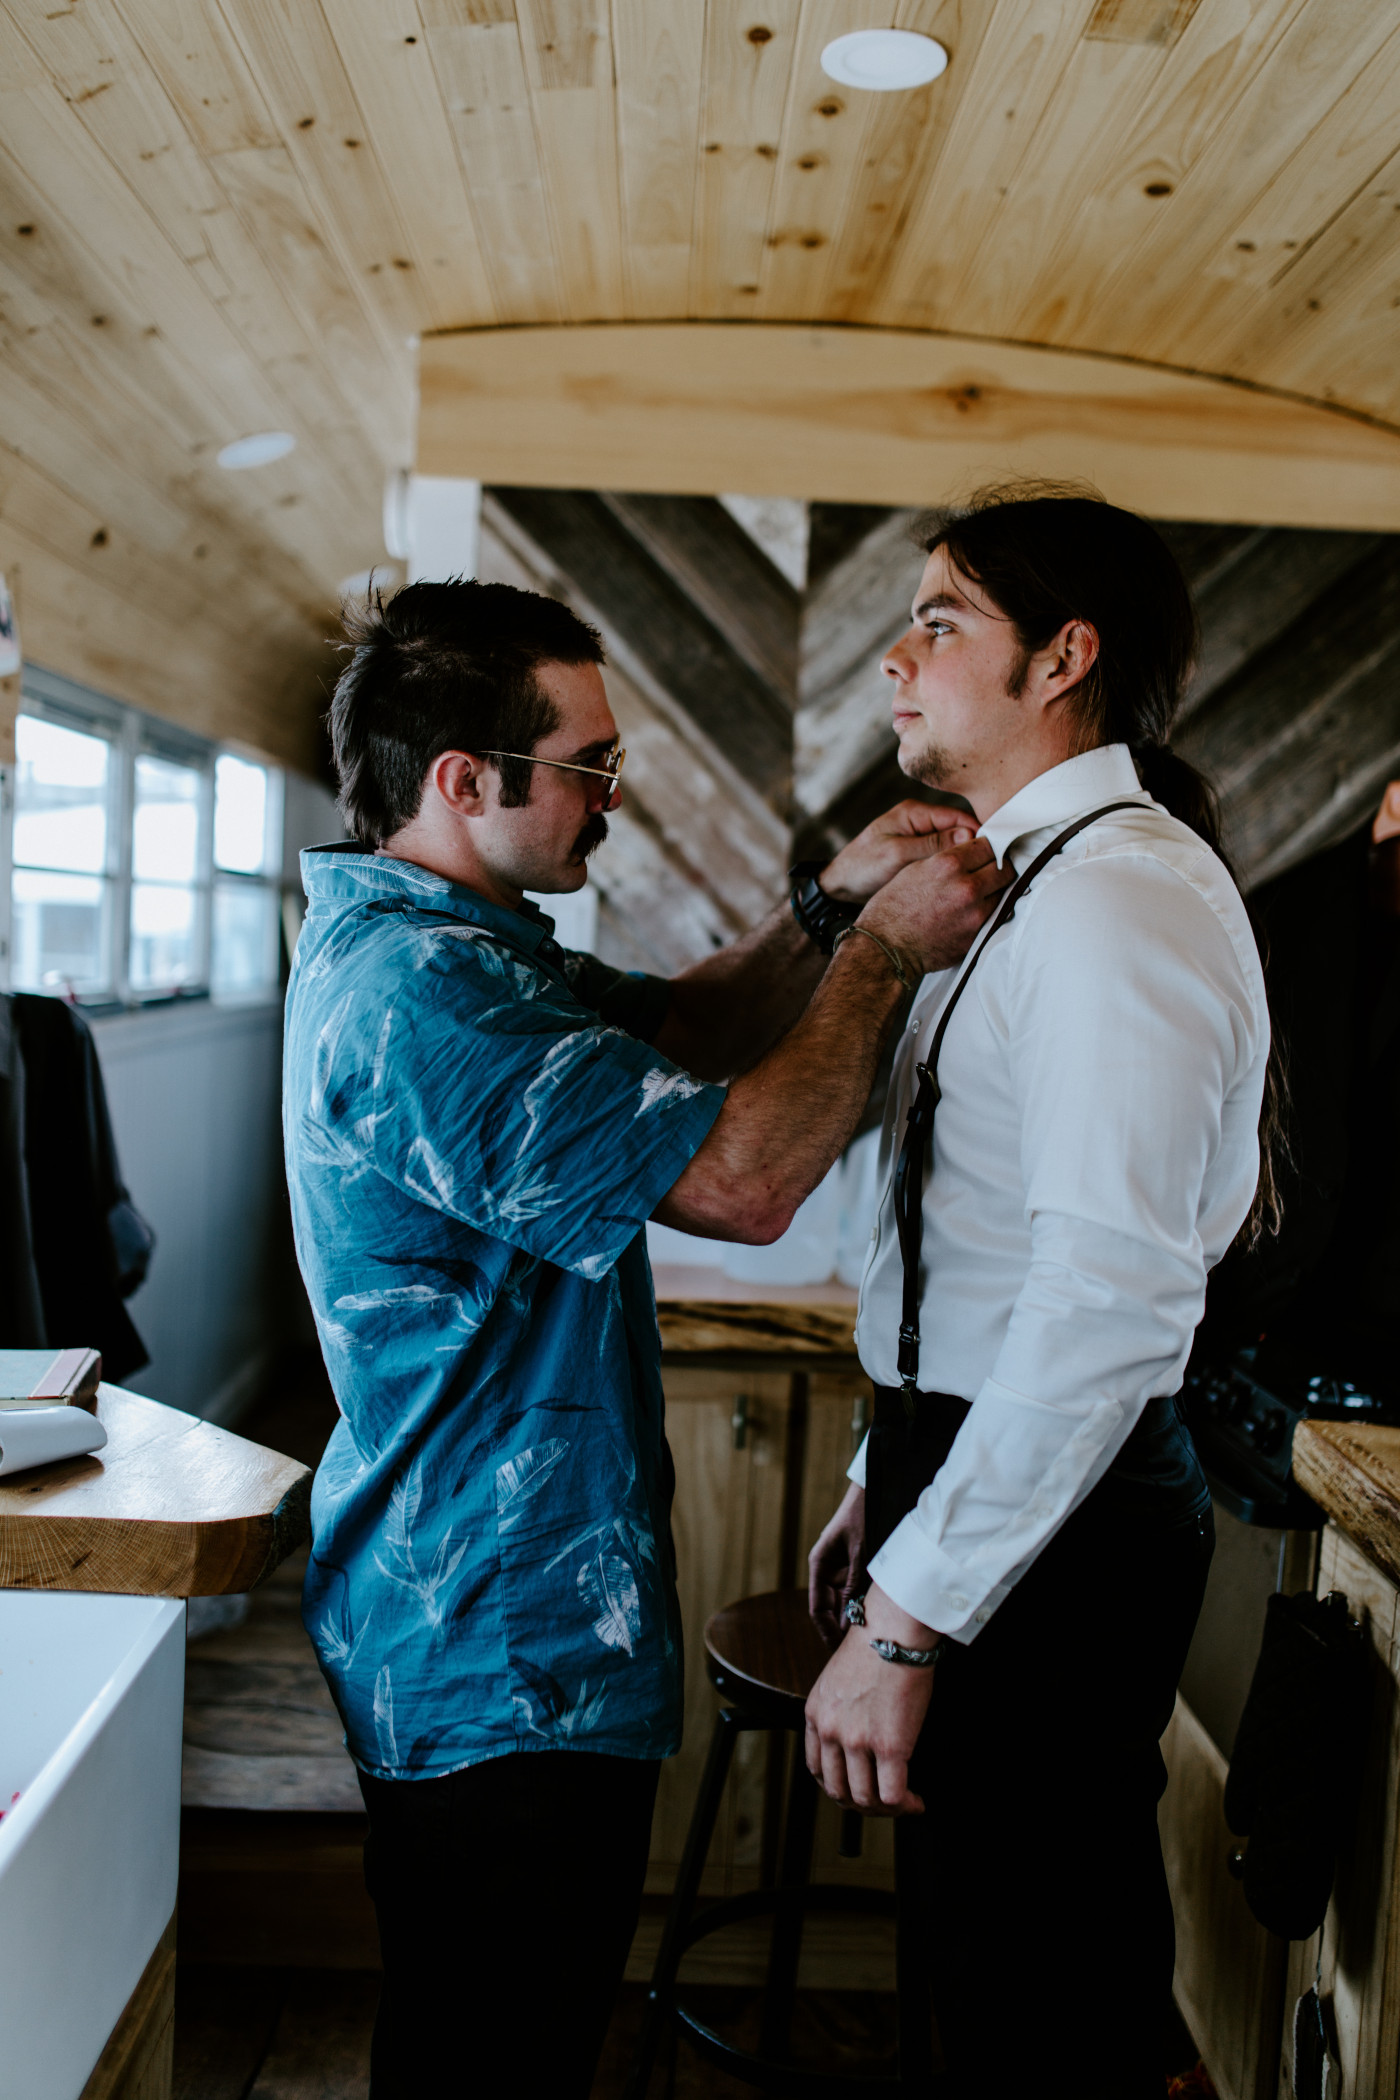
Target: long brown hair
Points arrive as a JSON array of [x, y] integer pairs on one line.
[[1046, 553]]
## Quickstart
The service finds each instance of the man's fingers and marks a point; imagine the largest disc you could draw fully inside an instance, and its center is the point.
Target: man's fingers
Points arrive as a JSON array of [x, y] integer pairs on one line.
[[833, 1774], [922, 819], [892, 1779], [862, 1781], [812, 1748]]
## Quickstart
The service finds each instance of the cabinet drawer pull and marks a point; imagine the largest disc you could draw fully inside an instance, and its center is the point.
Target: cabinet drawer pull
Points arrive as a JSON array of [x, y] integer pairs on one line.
[[739, 1420]]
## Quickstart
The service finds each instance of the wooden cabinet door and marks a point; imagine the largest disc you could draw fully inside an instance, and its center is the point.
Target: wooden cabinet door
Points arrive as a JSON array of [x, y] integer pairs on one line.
[[1361, 1933], [837, 1417], [729, 1436]]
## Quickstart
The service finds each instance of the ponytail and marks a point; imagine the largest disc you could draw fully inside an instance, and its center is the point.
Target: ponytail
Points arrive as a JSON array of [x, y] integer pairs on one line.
[[1174, 782], [1190, 798]]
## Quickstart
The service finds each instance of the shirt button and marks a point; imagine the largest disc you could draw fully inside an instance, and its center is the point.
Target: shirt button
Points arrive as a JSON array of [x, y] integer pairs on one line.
[[980, 1618], [958, 1603], [874, 1234]]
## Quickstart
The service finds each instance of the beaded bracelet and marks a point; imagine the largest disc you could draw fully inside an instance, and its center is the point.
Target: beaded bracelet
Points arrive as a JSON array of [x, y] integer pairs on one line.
[[896, 961]]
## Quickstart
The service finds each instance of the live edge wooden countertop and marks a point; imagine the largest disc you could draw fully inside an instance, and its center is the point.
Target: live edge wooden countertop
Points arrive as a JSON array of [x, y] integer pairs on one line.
[[708, 1317], [1353, 1472], [170, 1507]]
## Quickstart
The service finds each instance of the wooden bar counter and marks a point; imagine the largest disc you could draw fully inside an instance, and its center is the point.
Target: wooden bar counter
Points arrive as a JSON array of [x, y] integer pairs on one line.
[[170, 1507]]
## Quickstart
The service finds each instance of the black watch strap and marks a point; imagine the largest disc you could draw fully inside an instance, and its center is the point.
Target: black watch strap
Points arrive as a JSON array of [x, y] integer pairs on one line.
[[820, 917]]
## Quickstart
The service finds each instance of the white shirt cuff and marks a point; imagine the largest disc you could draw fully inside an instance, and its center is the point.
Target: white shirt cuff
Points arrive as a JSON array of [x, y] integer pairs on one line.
[[930, 1585]]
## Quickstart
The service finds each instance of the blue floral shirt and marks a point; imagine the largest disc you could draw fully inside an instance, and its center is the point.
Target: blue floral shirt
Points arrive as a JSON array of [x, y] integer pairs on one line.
[[472, 1153]]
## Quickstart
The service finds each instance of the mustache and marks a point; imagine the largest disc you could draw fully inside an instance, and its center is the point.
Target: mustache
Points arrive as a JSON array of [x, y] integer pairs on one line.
[[590, 838]]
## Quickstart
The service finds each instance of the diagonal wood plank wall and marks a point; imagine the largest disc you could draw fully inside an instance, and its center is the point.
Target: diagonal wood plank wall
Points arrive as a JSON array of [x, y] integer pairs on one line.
[[757, 720]]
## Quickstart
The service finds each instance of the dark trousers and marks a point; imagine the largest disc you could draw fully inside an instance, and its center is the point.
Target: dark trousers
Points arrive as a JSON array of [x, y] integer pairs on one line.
[[1043, 1890], [507, 1896]]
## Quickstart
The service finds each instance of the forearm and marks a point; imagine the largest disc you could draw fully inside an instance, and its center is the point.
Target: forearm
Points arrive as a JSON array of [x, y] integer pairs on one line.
[[731, 1007], [1103, 1322], [788, 1119]]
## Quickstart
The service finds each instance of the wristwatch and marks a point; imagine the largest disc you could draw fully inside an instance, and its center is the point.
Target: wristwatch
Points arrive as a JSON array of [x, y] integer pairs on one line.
[[820, 917], [890, 1651]]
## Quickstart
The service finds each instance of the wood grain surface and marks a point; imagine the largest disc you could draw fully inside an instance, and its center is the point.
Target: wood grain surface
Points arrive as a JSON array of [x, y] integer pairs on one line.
[[1354, 1474], [229, 216], [1229, 1971], [261, 1729], [884, 416], [703, 1314], [769, 1640], [136, 2063], [171, 1507]]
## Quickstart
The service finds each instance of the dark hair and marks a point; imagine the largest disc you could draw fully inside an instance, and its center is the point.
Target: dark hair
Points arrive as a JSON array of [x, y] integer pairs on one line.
[[442, 667], [1047, 553]]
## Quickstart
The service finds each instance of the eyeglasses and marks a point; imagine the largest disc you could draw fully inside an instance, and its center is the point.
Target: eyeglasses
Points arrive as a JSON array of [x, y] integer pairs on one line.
[[611, 771]]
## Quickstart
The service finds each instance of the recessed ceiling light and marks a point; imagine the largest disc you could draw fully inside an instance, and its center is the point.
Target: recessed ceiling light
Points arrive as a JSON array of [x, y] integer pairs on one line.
[[884, 58], [259, 450]]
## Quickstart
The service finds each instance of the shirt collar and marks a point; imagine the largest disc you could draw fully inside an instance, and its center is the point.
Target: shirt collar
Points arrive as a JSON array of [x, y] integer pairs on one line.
[[1067, 791], [345, 874]]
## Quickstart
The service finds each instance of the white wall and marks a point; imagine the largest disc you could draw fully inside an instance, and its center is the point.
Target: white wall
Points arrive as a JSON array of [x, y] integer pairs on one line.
[[194, 1094]]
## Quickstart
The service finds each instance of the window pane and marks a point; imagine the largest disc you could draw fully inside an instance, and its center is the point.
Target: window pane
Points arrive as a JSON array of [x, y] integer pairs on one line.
[[60, 797], [244, 936], [165, 833], [162, 937], [240, 816], [58, 932]]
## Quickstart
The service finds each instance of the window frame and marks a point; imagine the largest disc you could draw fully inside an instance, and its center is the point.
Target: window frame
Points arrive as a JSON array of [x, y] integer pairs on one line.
[[133, 734]]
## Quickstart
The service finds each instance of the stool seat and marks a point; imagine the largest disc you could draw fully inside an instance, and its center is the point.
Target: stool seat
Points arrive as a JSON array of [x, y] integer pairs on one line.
[[766, 1644]]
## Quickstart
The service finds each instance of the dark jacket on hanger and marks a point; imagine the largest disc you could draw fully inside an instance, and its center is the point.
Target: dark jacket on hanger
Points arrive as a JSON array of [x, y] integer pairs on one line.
[[72, 1244]]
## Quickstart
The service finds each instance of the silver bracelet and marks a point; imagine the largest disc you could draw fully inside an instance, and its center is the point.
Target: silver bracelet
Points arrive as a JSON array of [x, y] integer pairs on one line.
[[895, 961], [890, 1651]]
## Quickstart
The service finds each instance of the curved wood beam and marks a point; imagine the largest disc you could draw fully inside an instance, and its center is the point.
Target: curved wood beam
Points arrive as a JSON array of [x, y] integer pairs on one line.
[[865, 415]]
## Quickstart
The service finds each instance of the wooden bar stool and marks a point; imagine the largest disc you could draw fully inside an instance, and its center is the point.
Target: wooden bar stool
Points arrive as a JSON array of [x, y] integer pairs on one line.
[[764, 1655]]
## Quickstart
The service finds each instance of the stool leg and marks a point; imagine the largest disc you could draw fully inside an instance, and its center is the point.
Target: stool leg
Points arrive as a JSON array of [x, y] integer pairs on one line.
[[728, 1724], [911, 1961], [786, 1946]]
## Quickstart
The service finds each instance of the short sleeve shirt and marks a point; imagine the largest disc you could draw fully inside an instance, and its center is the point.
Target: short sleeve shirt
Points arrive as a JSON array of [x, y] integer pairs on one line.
[[472, 1153]]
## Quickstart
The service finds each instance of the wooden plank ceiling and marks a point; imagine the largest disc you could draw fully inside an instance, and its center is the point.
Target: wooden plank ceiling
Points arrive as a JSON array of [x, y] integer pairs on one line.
[[223, 216], [757, 721]]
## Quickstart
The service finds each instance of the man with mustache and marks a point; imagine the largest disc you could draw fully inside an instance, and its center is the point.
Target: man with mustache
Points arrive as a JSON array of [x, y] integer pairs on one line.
[[477, 1128]]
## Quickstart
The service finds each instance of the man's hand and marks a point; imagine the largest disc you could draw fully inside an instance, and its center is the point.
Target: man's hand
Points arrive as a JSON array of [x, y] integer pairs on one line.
[[910, 831], [864, 1714], [933, 909], [835, 1565]]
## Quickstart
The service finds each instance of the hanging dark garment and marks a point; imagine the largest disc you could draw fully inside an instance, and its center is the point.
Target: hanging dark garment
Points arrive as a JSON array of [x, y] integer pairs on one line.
[[89, 1247], [21, 1306], [1326, 1291]]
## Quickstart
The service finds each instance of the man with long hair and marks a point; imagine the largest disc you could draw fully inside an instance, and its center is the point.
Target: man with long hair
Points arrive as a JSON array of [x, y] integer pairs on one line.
[[1019, 1562]]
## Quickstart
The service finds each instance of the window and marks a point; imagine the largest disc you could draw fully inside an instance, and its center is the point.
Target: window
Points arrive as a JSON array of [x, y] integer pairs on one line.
[[247, 900], [145, 864], [166, 950], [61, 885]]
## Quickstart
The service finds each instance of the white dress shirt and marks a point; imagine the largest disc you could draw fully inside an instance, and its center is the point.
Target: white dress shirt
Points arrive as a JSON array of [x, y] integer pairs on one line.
[[1094, 1153]]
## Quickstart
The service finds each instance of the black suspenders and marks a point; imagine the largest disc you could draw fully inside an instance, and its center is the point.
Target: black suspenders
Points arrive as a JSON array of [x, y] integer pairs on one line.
[[910, 1172]]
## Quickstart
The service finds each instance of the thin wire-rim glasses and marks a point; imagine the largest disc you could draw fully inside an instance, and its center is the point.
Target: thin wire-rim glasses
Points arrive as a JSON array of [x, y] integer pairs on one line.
[[611, 772]]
